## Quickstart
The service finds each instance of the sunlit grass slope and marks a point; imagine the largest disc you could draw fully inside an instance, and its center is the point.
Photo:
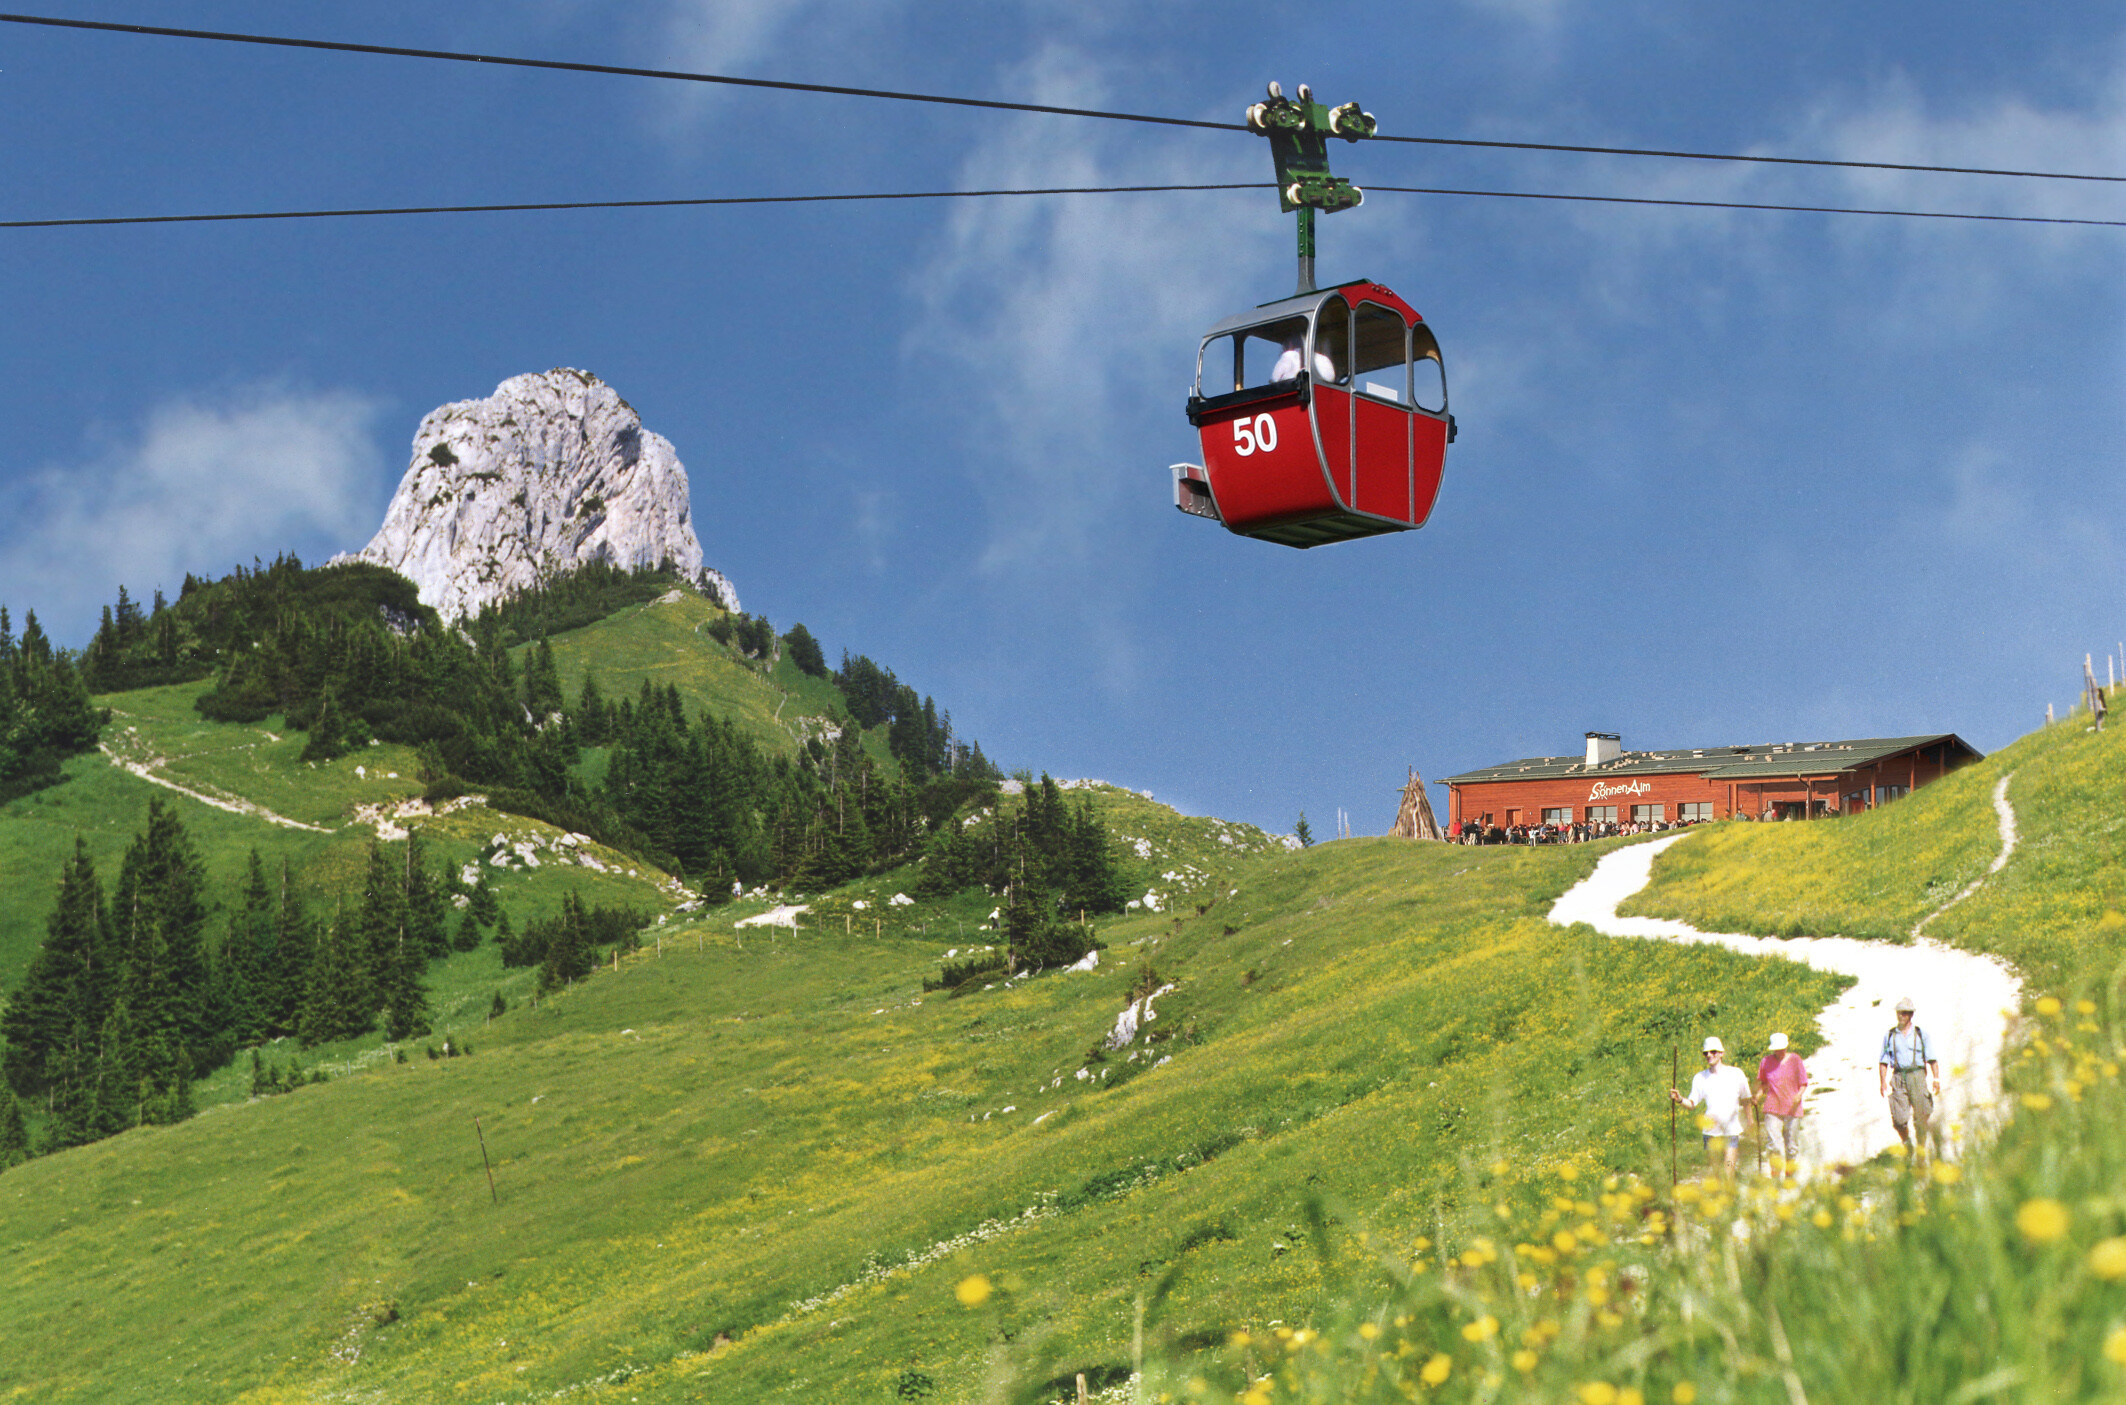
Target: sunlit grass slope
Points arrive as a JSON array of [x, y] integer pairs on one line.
[[1999, 1278], [666, 643], [757, 1173], [2055, 910]]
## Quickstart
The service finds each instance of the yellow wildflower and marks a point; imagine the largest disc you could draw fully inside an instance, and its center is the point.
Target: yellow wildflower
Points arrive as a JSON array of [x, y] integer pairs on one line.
[[1821, 1219], [1630, 1395], [2037, 1102], [1568, 1173], [1259, 1394], [1684, 1393], [1947, 1172], [973, 1291], [1240, 1339], [2042, 1220], [1524, 1361], [1597, 1393], [1483, 1329], [2048, 1005], [2108, 1259], [2115, 1346], [2085, 1007], [1436, 1369], [1369, 1330]]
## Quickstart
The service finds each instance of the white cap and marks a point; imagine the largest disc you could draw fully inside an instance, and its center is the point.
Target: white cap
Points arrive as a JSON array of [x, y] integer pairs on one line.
[[1712, 1042], [1776, 1043]]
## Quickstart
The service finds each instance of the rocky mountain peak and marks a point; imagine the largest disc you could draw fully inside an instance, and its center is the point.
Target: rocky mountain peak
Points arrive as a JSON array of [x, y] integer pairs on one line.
[[552, 471]]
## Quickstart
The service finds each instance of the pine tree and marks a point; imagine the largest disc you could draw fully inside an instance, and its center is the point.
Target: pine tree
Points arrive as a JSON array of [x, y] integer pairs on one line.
[[568, 955], [1038, 940], [468, 937], [485, 906], [288, 964], [427, 905], [245, 955], [338, 1001], [542, 684], [328, 730], [1303, 831], [14, 1136], [158, 916], [67, 989], [394, 958], [593, 725]]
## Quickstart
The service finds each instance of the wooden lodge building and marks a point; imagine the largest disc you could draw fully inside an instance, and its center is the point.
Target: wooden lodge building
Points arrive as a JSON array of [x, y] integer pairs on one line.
[[1789, 780]]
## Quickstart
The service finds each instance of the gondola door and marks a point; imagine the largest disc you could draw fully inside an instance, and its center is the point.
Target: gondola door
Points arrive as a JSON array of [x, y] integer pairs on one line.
[[1380, 409]]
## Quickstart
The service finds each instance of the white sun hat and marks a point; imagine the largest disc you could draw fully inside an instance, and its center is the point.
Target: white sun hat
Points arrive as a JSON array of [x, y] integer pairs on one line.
[[1712, 1042], [1775, 1043]]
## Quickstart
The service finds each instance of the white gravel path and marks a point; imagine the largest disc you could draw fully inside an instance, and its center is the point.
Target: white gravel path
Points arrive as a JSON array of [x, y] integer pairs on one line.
[[1964, 1003]]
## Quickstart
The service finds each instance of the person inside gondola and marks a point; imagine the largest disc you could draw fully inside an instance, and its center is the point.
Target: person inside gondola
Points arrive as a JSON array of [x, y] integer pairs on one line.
[[1294, 356]]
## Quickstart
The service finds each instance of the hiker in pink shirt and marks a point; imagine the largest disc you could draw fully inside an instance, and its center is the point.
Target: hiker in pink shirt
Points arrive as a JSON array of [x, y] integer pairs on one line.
[[1780, 1079]]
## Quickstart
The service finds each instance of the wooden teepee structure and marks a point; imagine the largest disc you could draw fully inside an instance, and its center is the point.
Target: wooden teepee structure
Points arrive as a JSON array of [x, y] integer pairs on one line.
[[1415, 819]]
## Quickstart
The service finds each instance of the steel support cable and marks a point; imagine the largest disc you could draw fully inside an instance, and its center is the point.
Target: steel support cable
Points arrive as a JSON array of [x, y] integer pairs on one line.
[[675, 75], [522, 206]]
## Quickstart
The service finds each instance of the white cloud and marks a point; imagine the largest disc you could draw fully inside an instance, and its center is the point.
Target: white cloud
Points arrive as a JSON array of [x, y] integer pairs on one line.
[[744, 38], [1069, 317], [205, 483]]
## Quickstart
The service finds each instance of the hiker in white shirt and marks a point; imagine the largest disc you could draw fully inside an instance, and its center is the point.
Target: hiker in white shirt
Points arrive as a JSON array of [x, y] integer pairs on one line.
[[1910, 1078], [1721, 1091]]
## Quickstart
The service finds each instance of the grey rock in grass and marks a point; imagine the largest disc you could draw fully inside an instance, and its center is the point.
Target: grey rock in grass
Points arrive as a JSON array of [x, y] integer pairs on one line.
[[552, 471]]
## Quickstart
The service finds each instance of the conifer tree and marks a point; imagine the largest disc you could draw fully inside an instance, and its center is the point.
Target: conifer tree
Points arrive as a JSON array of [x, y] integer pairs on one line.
[[485, 906], [14, 1135], [468, 937], [294, 942], [542, 684], [246, 952], [158, 916], [338, 1000], [427, 905], [328, 730], [67, 990], [568, 955], [394, 958]]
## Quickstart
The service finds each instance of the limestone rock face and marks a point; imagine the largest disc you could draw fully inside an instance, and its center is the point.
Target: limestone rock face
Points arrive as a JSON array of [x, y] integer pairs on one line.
[[552, 471]]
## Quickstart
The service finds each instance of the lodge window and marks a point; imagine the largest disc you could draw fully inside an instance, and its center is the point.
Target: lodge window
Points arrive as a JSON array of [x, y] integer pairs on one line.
[[1648, 814], [1558, 816], [1691, 811], [1884, 794], [1601, 814]]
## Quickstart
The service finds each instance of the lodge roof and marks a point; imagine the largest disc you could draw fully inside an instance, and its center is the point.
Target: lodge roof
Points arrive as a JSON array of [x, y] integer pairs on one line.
[[1724, 763]]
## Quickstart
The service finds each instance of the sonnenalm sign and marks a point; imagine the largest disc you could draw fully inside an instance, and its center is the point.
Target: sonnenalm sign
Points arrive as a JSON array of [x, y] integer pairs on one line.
[[1602, 792]]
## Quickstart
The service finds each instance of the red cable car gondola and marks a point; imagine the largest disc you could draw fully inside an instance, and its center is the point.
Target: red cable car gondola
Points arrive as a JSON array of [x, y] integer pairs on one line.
[[1323, 416]]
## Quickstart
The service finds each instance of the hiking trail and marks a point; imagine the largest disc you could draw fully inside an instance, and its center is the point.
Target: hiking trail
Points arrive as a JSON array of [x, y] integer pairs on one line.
[[1964, 1001]]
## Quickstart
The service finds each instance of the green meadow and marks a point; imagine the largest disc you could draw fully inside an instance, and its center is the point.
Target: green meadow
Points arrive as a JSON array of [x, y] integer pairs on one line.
[[666, 643], [1384, 1134], [759, 1171]]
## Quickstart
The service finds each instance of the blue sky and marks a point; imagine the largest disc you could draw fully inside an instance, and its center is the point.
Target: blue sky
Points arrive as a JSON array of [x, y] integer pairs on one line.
[[1722, 476]]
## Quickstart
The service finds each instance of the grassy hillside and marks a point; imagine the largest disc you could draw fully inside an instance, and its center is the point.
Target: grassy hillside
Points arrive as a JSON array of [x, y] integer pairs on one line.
[[758, 1172], [334, 807], [2056, 910], [665, 643], [1998, 1278]]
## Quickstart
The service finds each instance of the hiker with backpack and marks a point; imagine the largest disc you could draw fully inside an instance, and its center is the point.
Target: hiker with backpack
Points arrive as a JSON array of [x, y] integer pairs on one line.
[[1910, 1078]]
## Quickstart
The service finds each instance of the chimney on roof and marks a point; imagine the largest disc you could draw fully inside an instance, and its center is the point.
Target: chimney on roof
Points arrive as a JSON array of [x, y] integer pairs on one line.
[[1603, 746]]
